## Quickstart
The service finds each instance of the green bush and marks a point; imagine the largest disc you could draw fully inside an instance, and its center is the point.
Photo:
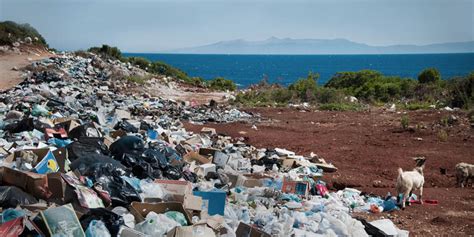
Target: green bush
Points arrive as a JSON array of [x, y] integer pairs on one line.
[[274, 95], [305, 87], [405, 122], [372, 86], [140, 62], [222, 84], [461, 91], [11, 32], [167, 70], [429, 75], [107, 52], [340, 107], [326, 95], [137, 79]]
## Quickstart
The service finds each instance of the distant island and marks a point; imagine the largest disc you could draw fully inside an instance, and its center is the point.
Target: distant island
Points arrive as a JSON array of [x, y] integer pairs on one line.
[[276, 45]]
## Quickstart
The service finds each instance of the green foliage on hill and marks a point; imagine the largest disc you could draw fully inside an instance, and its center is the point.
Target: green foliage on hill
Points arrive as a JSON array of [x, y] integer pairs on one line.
[[369, 87], [107, 52], [11, 32]]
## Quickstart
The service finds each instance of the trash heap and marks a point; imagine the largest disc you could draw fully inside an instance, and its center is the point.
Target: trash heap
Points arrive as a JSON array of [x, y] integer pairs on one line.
[[81, 158]]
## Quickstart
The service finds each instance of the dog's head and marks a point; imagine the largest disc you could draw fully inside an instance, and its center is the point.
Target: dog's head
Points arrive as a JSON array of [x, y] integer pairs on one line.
[[420, 161]]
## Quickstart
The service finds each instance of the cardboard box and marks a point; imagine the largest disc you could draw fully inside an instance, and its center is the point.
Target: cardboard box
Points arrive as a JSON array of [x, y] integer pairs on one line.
[[249, 231], [213, 200], [50, 162], [32, 183], [129, 232], [249, 182], [140, 210], [208, 131], [175, 187], [205, 168], [192, 202], [67, 123], [207, 151], [300, 188], [288, 163], [194, 156], [191, 231]]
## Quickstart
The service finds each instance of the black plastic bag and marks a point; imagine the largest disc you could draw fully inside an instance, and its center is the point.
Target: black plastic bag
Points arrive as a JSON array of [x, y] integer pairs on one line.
[[26, 124], [128, 145], [86, 146], [97, 165], [126, 126], [121, 192], [111, 220], [11, 196], [85, 130]]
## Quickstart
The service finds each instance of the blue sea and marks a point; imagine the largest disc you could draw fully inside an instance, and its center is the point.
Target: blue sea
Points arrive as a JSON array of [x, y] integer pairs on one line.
[[285, 69]]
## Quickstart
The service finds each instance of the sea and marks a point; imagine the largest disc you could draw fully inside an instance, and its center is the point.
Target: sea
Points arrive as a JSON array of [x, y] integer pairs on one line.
[[285, 69]]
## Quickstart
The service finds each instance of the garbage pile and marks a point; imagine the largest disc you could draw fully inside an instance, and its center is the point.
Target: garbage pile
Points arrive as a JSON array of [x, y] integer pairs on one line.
[[79, 158]]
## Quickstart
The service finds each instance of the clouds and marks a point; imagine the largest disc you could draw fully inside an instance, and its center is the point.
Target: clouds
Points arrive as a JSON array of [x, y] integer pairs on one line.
[[154, 25]]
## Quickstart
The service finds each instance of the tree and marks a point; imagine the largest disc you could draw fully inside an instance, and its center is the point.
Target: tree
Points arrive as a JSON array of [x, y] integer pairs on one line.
[[429, 75]]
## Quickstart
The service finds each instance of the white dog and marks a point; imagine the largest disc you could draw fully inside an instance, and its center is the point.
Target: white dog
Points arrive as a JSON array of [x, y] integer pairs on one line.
[[409, 181], [464, 173]]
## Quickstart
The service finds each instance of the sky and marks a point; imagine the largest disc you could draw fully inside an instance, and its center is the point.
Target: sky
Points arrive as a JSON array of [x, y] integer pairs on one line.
[[160, 25]]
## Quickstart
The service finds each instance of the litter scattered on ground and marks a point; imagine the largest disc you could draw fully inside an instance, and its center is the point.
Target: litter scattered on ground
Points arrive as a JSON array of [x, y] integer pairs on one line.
[[81, 157]]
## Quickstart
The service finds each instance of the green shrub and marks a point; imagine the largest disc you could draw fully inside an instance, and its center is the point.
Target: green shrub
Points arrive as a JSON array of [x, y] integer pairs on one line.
[[222, 84], [372, 86], [326, 95], [429, 75], [138, 79], [340, 107], [167, 70], [140, 62], [305, 87], [405, 122], [461, 91], [107, 52], [11, 32], [443, 135]]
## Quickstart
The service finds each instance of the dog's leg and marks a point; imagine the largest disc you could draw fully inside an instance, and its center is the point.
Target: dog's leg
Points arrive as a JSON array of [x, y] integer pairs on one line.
[[405, 199], [421, 194]]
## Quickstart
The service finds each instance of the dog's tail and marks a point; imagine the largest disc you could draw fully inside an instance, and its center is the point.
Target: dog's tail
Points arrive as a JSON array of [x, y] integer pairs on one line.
[[400, 172]]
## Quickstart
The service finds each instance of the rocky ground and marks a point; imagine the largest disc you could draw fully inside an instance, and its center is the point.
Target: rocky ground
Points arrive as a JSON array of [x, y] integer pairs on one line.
[[368, 147]]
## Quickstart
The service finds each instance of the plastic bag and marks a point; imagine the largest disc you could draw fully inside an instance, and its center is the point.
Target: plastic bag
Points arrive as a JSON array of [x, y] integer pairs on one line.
[[156, 224], [97, 229], [11, 196], [85, 130], [177, 216], [127, 145], [10, 214], [108, 219], [85, 146], [126, 126], [39, 110], [151, 189]]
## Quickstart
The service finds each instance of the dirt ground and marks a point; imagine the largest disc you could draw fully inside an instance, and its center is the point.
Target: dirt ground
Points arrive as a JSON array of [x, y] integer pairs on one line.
[[368, 147], [10, 78]]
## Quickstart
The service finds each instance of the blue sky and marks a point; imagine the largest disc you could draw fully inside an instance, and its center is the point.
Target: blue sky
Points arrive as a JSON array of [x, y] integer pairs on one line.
[[156, 25]]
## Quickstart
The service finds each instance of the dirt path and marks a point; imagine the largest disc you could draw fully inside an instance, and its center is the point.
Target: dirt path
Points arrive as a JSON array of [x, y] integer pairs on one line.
[[8, 77], [368, 147]]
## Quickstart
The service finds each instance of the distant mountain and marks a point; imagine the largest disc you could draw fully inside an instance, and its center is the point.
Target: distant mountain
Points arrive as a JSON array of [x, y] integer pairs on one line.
[[275, 45]]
